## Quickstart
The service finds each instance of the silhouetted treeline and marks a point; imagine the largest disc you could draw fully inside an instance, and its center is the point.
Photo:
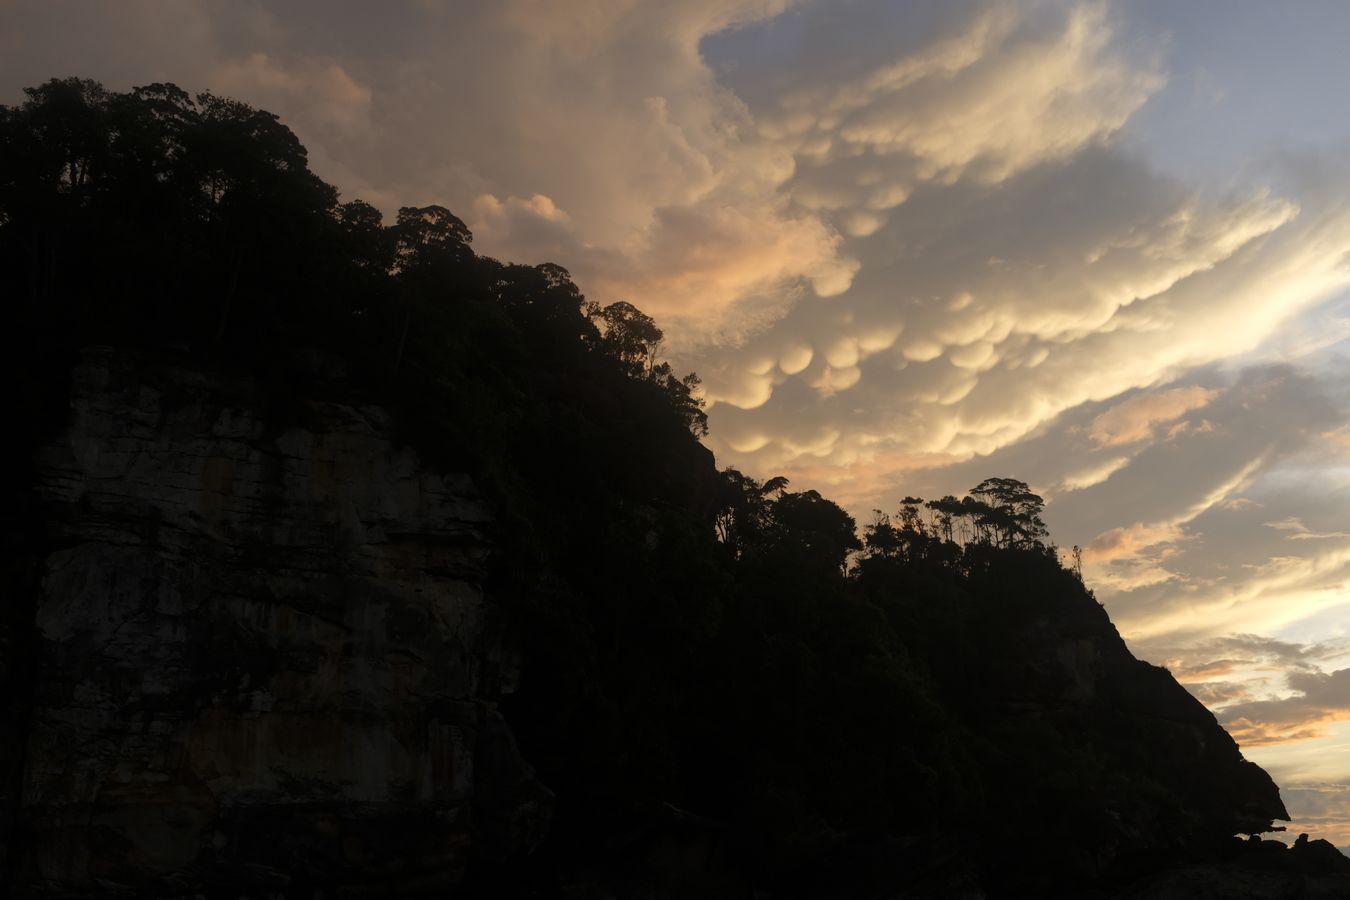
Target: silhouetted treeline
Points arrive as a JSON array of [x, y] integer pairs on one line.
[[698, 649], [164, 220]]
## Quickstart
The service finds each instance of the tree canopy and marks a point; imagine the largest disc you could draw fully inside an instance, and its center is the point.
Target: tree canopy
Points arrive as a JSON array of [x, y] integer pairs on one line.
[[165, 219]]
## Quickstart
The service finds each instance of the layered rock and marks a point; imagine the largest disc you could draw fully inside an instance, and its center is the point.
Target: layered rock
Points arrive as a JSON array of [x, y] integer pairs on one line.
[[263, 656]]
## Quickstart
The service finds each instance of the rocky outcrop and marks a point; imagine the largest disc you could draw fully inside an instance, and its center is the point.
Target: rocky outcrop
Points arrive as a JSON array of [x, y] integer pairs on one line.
[[1252, 870], [263, 660], [1119, 768]]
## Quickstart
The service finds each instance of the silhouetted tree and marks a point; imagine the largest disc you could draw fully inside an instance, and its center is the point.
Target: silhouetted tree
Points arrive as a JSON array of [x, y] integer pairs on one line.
[[881, 539], [1011, 512], [429, 236], [369, 244], [945, 512], [682, 394], [744, 516], [818, 527], [630, 335]]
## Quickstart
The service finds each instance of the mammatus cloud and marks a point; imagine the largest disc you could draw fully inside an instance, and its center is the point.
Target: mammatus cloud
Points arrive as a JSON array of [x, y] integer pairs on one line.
[[1010, 265], [978, 334], [711, 273], [1001, 95], [1000, 289]]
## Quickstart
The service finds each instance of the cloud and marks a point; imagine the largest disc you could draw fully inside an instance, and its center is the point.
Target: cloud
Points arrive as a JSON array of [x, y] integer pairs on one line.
[[658, 188], [1259, 649], [1295, 530], [1176, 544], [1134, 556], [335, 100], [1340, 436], [659, 191], [1248, 663], [1266, 415], [989, 261], [1237, 573], [1218, 693], [1319, 699], [1134, 419], [1321, 810], [1094, 474], [1004, 93], [711, 274], [992, 298], [988, 334]]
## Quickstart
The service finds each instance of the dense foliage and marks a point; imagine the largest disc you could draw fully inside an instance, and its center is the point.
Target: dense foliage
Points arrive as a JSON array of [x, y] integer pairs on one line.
[[157, 219], [700, 648]]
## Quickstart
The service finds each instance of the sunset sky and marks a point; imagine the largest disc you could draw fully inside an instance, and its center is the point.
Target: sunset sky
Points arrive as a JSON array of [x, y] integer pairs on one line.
[[1098, 247]]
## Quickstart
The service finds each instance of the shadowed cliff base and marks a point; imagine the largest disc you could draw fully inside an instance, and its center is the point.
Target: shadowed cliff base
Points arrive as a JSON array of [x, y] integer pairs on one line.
[[346, 562]]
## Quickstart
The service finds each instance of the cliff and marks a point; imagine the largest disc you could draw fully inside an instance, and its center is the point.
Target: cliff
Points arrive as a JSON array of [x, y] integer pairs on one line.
[[1116, 768], [265, 622], [1072, 766], [264, 657], [257, 658]]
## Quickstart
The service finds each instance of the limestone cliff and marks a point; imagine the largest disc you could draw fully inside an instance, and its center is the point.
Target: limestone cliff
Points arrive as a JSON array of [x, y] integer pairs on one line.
[[263, 654]]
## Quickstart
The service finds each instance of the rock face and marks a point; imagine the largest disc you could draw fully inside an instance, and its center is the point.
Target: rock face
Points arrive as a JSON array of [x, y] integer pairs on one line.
[[263, 659], [1126, 771], [1075, 670], [1252, 870]]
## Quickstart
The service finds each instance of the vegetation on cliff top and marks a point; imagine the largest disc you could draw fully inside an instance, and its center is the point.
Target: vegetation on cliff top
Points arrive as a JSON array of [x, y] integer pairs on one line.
[[700, 647]]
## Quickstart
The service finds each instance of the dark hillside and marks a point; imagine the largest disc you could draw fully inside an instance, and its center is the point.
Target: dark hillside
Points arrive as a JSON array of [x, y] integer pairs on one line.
[[342, 561]]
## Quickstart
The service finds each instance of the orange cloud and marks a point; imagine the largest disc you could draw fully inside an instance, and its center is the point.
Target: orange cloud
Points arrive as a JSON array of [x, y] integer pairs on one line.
[[1217, 693], [1321, 699], [1201, 671], [1339, 436], [1253, 733], [1135, 419], [1130, 542], [1132, 557]]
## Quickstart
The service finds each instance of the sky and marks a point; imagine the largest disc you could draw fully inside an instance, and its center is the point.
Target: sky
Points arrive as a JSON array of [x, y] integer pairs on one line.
[[1100, 247]]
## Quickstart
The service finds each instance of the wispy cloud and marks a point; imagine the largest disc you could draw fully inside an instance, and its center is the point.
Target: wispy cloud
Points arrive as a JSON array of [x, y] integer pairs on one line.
[[1135, 419], [1318, 700]]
